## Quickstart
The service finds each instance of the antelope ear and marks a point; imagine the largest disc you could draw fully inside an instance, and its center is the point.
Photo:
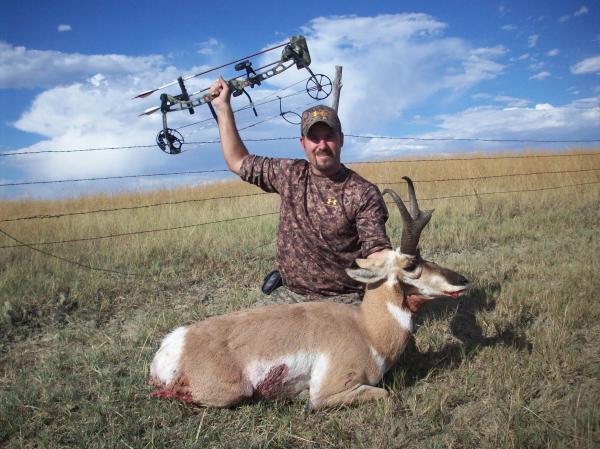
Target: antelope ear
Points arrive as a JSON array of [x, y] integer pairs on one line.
[[371, 270], [365, 276], [363, 263]]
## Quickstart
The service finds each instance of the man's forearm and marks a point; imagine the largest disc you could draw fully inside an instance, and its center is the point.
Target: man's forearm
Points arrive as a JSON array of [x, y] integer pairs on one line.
[[234, 150]]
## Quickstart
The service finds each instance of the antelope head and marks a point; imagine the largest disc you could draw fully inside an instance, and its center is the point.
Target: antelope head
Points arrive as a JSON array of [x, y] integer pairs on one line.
[[418, 280]]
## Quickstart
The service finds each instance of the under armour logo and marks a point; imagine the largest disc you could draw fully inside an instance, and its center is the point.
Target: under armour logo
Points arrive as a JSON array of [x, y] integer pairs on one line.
[[331, 202]]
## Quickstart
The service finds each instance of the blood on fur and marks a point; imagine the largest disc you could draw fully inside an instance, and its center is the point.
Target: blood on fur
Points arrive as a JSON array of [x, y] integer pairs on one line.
[[273, 382]]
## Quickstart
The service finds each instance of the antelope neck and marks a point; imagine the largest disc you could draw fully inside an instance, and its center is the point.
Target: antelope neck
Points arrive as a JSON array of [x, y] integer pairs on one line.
[[387, 330]]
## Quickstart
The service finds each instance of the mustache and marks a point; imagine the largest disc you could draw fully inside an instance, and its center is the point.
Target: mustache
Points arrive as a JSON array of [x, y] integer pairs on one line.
[[325, 152]]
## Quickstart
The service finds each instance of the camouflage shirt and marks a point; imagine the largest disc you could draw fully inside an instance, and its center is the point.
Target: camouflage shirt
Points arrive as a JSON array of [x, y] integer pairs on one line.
[[325, 223]]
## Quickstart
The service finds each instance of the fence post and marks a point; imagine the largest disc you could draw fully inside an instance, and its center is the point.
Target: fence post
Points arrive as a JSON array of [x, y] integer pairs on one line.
[[337, 87]]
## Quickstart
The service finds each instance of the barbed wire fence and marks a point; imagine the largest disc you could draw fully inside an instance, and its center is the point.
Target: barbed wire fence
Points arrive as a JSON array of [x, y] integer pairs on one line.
[[35, 246]]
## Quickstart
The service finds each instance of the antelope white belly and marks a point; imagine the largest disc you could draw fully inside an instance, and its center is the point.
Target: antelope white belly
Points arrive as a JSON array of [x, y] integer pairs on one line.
[[287, 376]]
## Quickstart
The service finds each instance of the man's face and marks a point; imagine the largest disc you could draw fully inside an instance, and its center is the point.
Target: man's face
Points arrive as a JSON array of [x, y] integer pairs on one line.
[[323, 147]]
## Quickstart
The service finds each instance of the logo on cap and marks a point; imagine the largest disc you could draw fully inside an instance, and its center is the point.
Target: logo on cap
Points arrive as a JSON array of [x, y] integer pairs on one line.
[[322, 113]]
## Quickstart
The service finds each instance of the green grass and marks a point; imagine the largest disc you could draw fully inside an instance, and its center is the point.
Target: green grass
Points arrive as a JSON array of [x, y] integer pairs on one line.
[[514, 364]]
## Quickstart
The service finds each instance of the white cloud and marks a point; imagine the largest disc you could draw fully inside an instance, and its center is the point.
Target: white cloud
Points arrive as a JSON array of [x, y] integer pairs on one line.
[[21, 67], [64, 27], [532, 40], [512, 102], [588, 65], [581, 11], [504, 122], [98, 113], [576, 120], [481, 96], [553, 52], [536, 65], [508, 28], [540, 76], [210, 47], [563, 19], [393, 62]]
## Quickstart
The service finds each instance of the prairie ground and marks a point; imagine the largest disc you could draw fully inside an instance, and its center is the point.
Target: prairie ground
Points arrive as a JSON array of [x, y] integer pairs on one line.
[[89, 286]]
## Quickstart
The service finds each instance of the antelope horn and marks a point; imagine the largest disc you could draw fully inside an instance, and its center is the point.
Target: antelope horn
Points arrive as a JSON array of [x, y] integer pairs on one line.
[[414, 221]]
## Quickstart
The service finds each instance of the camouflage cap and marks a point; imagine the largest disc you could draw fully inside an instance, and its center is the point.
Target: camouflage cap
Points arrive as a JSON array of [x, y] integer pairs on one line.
[[317, 114]]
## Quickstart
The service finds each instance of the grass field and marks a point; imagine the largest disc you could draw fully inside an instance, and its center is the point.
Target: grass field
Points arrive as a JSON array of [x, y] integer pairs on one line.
[[513, 364]]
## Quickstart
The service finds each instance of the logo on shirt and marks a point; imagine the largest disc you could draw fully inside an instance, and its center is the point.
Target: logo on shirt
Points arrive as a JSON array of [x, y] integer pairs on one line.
[[331, 202]]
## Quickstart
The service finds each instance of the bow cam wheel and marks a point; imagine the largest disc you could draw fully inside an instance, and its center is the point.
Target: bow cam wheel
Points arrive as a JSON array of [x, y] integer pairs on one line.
[[318, 86], [170, 141]]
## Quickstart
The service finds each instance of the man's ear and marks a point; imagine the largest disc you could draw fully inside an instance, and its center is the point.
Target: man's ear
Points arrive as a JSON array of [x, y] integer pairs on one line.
[[341, 139]]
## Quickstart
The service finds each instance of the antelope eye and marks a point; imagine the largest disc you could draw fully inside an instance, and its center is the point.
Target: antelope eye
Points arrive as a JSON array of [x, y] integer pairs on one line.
[[411, 266]]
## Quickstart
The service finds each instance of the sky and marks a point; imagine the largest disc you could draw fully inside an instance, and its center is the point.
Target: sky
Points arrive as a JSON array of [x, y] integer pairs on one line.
[[425, 73]]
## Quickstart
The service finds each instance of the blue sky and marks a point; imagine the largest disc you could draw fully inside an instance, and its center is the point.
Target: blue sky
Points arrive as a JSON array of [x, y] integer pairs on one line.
[[425, 69]]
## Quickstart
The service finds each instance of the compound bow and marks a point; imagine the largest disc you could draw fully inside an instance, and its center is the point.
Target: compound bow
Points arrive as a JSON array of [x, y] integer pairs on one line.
[[295, 52]]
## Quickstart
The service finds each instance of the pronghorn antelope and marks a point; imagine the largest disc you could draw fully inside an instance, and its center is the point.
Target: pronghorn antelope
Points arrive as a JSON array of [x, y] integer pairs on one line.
[[333, 353]]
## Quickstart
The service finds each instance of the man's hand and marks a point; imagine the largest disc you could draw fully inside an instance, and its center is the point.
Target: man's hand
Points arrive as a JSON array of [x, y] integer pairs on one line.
[[376, 254], [221, 94]]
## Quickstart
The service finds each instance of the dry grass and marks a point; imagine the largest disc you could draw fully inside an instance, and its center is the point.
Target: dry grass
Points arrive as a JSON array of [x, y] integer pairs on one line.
[[514, 364]]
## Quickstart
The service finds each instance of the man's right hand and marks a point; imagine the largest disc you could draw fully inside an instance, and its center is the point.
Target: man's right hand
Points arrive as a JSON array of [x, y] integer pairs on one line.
[[221, 94]]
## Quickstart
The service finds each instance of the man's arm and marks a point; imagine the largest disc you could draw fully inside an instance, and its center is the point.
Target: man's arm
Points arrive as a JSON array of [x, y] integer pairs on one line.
[[234, 150], [370, 223]]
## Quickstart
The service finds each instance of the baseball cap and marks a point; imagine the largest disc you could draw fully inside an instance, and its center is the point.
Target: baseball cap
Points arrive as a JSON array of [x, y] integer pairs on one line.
[[317, 114]]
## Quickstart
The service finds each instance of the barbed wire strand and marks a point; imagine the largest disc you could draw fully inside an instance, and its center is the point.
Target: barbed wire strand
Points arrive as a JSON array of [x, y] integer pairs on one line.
[[146, 231], [189, 172], [478, 158], [64, 259], [471, 139], [358, 136], [226, 197], [86, 239]]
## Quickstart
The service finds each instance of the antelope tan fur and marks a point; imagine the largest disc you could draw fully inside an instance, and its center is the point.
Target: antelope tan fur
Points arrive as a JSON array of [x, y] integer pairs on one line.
[[333, 353]]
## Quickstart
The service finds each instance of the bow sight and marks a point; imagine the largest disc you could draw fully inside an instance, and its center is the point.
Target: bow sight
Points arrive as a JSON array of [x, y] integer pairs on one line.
[[295, 52]]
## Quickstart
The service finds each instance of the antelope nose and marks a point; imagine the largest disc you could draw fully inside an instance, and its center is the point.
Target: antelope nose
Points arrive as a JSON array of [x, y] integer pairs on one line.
[[463, 280]]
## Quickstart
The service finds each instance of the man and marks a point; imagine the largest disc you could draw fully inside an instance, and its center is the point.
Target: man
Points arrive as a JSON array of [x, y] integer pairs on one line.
[[329, 215]]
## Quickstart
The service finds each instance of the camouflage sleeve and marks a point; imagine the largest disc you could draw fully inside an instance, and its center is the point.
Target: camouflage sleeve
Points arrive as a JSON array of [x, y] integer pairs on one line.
[[264, 172], [370, 222]]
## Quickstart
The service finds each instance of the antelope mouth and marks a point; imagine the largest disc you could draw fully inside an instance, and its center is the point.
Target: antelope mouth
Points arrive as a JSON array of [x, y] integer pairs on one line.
[[456, 294]]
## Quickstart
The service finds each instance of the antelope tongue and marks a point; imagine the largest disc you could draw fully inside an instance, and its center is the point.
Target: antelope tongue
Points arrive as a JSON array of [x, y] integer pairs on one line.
[[456, 294]]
